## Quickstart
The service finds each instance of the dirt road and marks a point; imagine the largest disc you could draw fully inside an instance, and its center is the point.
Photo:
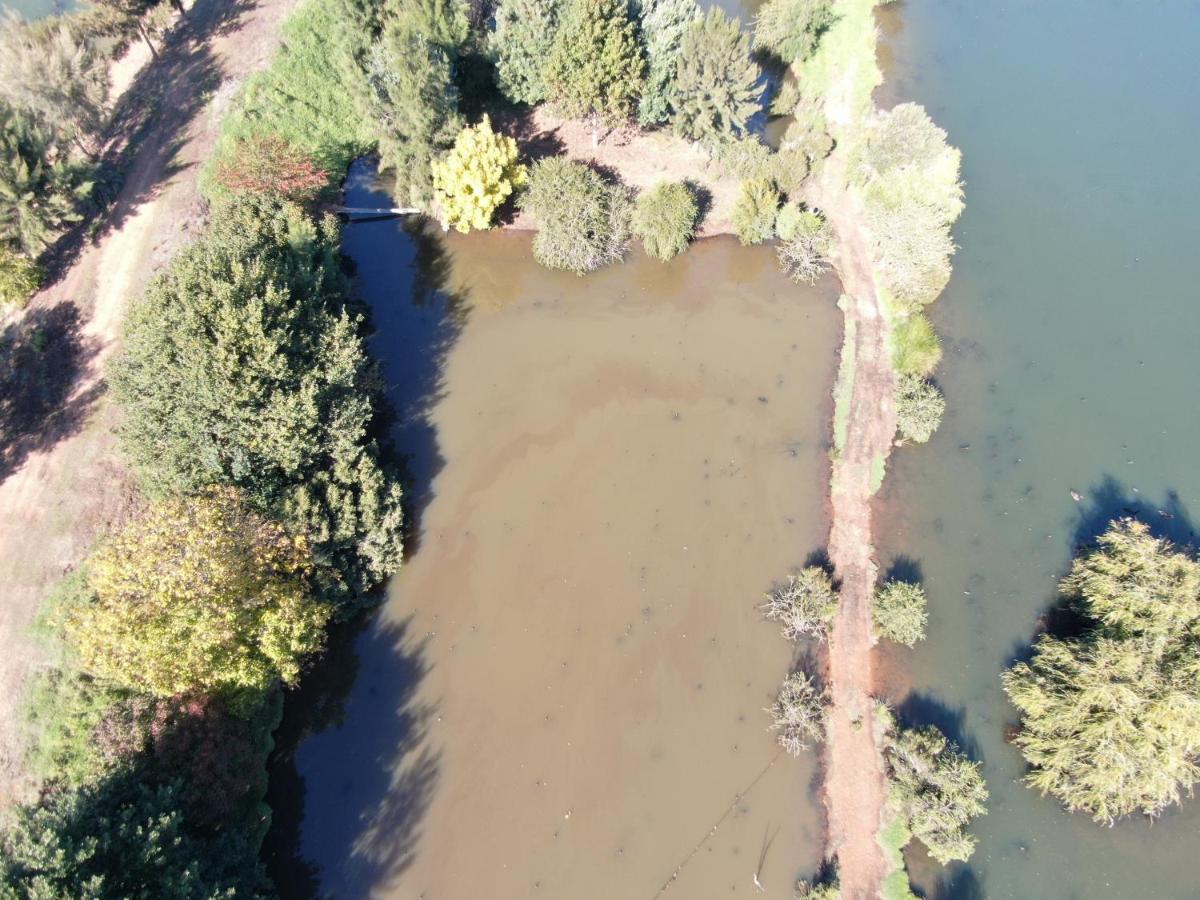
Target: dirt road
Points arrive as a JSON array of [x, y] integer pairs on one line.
[[62, 482], [855, 784]]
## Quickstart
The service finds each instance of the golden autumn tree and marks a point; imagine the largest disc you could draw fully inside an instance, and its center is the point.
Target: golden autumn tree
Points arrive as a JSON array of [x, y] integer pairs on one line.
[[476, 177], [197, 594]]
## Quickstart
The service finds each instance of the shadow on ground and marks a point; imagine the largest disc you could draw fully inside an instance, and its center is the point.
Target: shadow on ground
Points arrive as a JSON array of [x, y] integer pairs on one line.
[[42, 360]]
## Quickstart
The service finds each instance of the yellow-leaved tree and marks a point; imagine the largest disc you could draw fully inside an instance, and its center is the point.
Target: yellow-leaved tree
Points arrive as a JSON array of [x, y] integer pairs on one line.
[[476, 177], [197, 594]]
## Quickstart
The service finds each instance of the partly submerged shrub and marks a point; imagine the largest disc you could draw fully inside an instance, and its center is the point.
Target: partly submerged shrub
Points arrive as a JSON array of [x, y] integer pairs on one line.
[[755, 211], [804, 605], [664, 217], [583, 223], [898, 612], [805, 244], [919, 408], [798, 714]]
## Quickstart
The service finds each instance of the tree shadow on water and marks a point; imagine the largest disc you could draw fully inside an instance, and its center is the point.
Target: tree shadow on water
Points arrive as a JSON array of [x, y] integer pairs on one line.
[[43, 359], [402, 273], [353, 771], [961, 883], [1104, 503], [918, 709]]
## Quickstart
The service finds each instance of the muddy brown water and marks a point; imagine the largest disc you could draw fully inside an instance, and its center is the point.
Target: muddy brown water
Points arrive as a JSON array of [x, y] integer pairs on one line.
[[564, 692]]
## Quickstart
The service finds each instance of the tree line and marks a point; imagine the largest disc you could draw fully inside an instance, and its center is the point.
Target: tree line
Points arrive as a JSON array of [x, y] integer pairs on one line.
[[55, 105]]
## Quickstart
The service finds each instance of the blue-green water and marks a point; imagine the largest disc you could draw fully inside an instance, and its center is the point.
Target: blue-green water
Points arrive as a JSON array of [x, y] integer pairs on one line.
[[1071, 330], [38, 9]]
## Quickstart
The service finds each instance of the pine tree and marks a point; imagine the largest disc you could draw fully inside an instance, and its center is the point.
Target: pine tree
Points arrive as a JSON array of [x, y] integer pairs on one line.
[[717, 89], [596, 69], [522, 42], [663, 24]]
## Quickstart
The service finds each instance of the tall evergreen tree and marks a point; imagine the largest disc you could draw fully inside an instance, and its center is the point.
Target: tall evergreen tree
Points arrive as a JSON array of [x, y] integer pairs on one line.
[[522, 42], [596, 69], [717, 90], [663, 24]]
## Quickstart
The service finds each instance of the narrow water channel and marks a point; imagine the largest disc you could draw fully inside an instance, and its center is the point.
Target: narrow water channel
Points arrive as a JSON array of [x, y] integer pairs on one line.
[[1071, 329], [565, 690]]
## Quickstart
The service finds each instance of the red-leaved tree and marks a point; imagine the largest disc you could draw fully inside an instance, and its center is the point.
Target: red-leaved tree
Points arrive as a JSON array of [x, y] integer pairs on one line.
[[270, 165]]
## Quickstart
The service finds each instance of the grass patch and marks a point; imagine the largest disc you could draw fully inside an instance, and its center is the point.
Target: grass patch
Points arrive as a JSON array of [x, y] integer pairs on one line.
[[843, 388], [916, 348], [847, 46], [878, 468], [892, 837]]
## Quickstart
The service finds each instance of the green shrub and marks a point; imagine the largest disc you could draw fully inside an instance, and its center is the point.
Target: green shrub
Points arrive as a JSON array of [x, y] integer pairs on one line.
[[754, 214], [583, 223], [804, 605], [798, 714], [916, 349], [898, 612], [1110, 719], [243, 366], [919, 408], [717, 87], [934, 788], [20, 277], [665, 218], [64, 711], [790, 28]]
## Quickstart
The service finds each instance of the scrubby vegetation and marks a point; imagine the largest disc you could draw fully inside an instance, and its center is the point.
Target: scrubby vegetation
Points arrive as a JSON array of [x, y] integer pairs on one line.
[[805, 242], [665, 219], [916, 348], [1110, 718], [268, 165], [898, 612], [790, 29], [584, 222], [798, 714], [804, 605], [934, 789]]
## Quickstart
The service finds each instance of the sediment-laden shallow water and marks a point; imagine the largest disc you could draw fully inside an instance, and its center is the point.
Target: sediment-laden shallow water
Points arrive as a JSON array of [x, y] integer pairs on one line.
[[565, 690]]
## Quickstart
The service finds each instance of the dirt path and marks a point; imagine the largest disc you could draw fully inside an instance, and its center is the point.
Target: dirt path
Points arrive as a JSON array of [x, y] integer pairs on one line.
[[61, 493], [855, 785]]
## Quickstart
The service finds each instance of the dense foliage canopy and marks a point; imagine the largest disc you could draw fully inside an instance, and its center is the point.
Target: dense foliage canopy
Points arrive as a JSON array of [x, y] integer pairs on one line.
[[121, 838], [755, 211], [596, 68], [663, 24], [919, 408], [583, 223], [790, 29], [522, 41], [243, 366], [476, 177], [196, 594], [1110, 720], [717, 88]]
